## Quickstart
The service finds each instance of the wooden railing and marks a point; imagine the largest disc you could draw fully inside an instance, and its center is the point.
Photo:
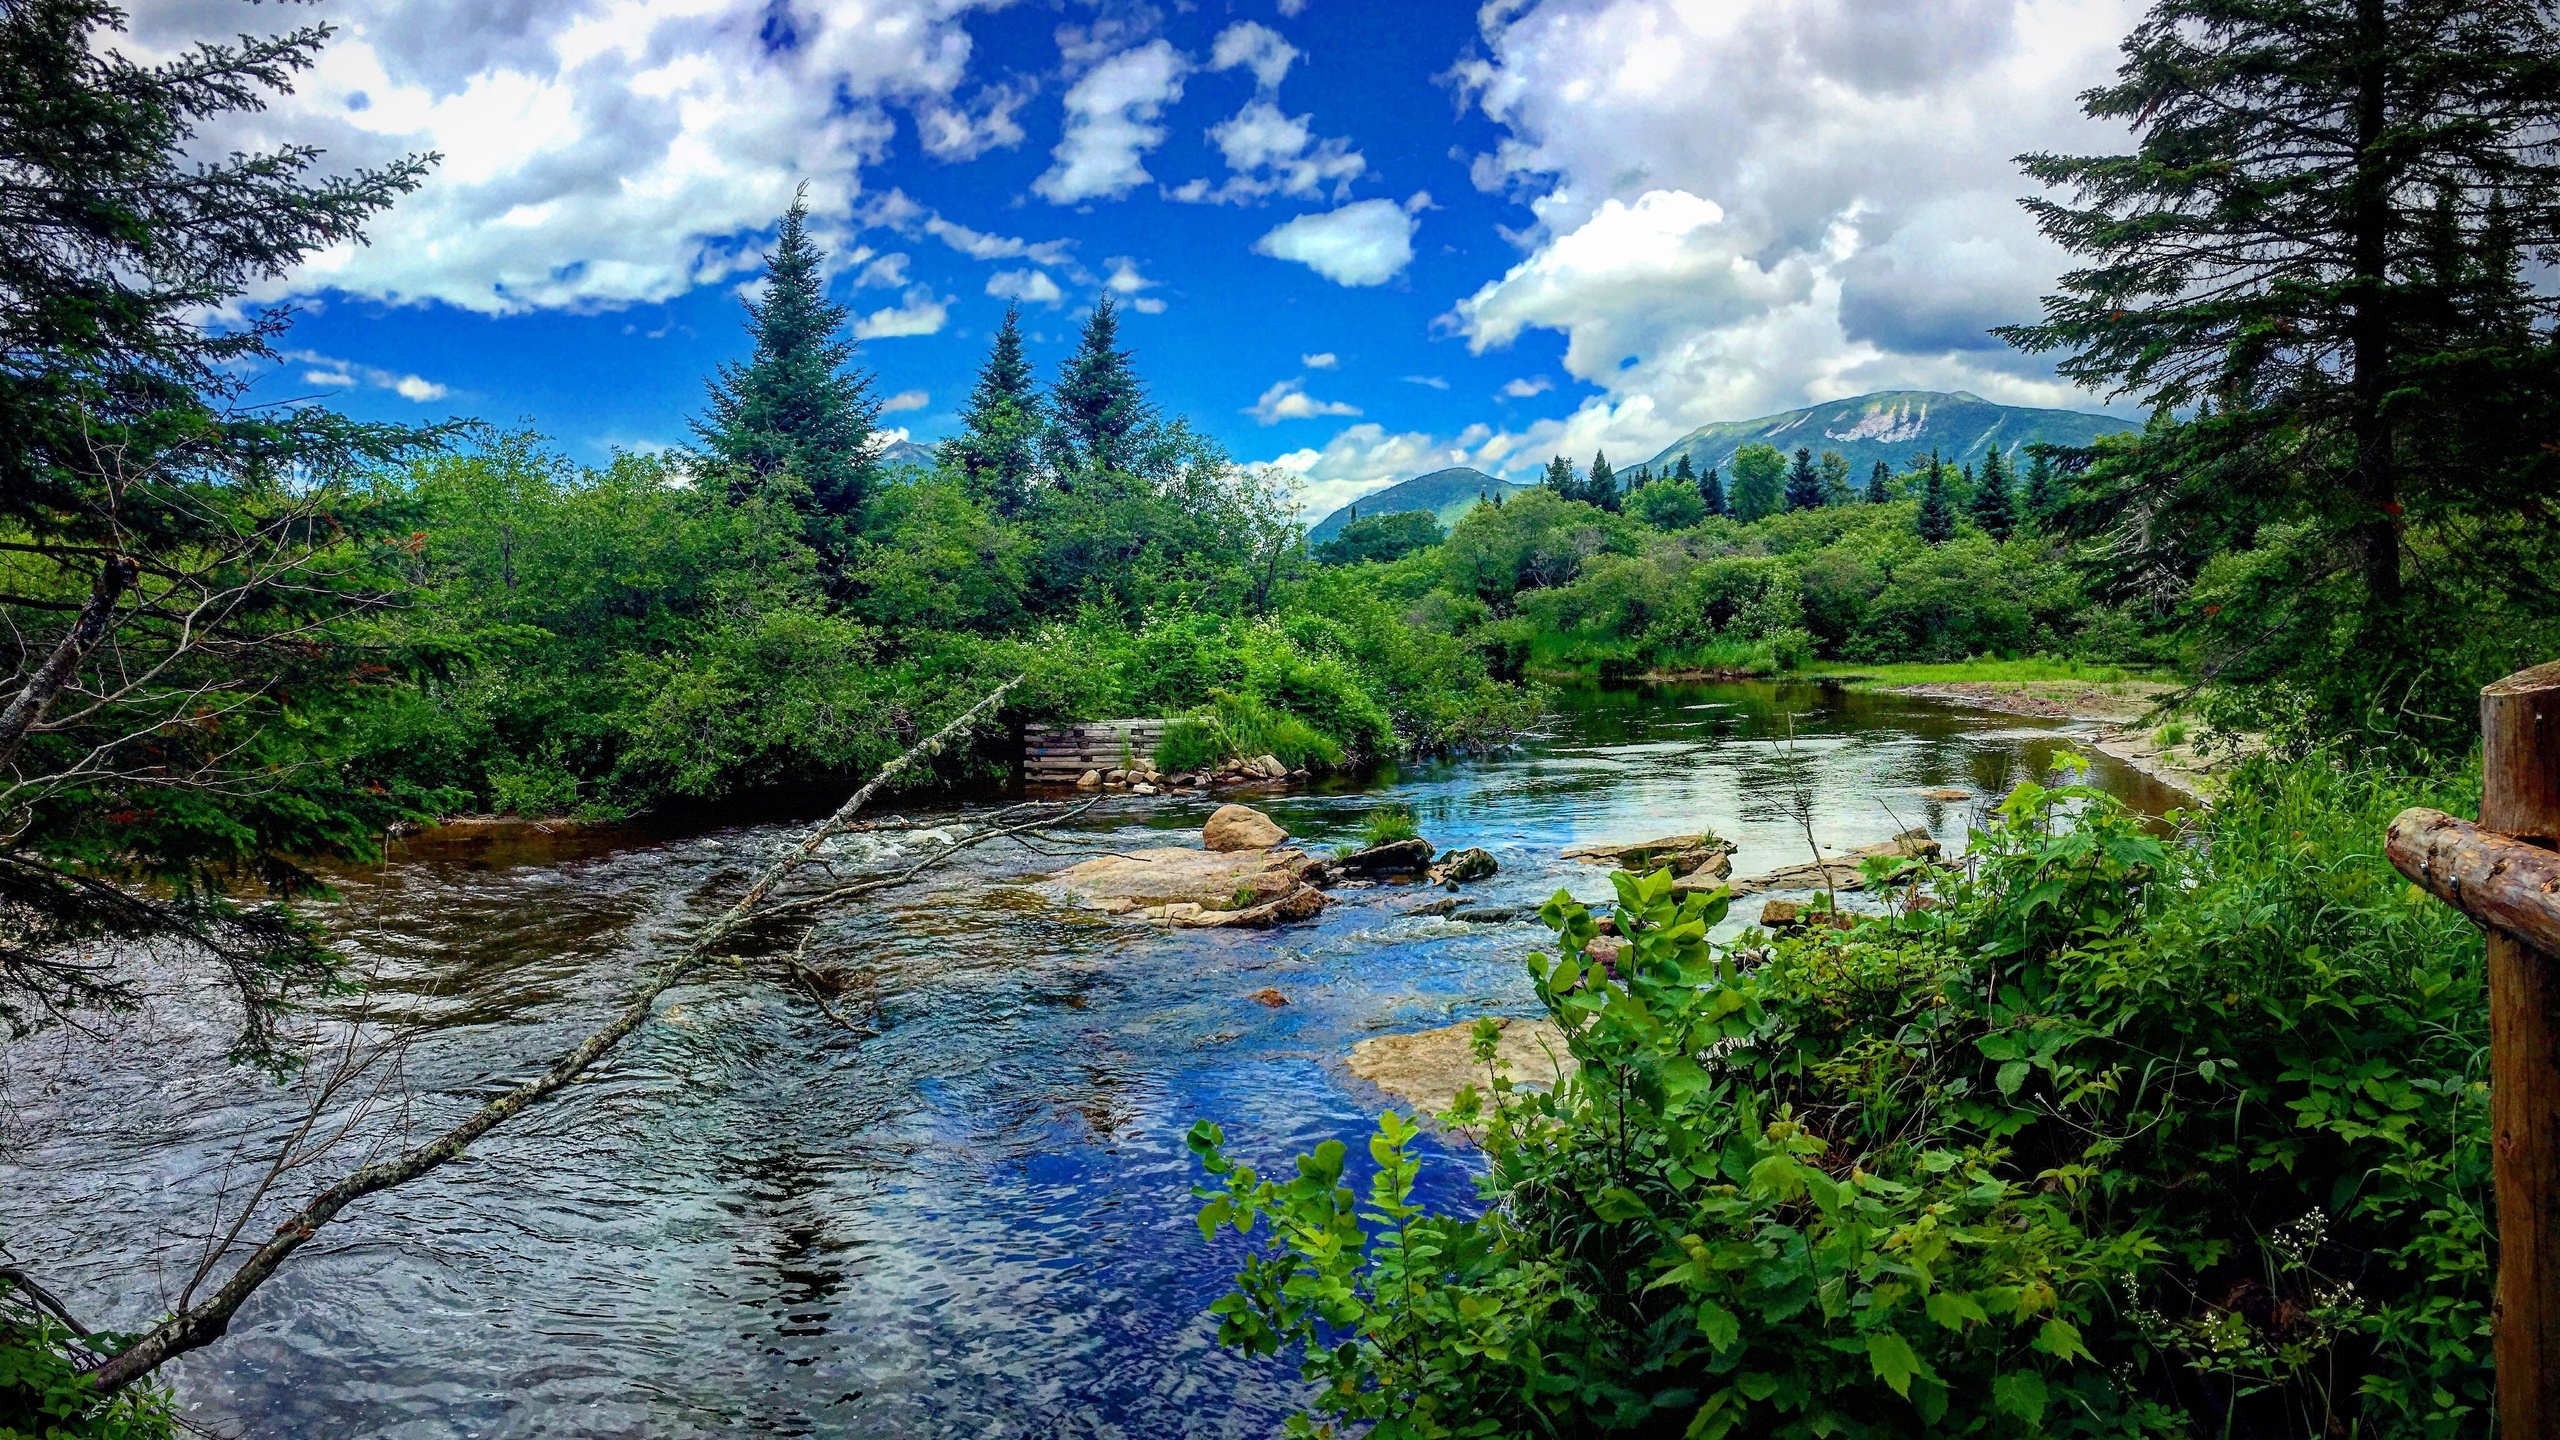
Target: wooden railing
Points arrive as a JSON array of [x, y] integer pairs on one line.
[[2504, 872], [1057, 754]]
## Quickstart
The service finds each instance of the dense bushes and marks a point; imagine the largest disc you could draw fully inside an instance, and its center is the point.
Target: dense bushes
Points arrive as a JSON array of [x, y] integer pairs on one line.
[[2124, 1137]]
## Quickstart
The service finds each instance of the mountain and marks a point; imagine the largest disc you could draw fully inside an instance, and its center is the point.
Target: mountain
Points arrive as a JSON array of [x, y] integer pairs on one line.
[[904, 452], [1447, 494], [1895, 426]]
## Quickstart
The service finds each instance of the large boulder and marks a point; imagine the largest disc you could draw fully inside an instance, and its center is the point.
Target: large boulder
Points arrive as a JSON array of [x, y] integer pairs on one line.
[[1241, 827], [1221, 881], [1459, 867], [1425, 1069], [1400, 857]]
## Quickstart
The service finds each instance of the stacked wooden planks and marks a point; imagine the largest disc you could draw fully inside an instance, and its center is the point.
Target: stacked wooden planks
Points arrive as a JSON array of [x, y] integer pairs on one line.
[[1058, 754]]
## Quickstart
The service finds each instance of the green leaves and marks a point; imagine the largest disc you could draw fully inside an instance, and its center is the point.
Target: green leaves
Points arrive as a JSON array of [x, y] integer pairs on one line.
[[1893, 1360]]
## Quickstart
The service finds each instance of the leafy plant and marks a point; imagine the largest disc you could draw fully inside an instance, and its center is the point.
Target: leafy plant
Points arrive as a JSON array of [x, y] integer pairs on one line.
[[1388, 825], [1190, 743], [2119, 1136]]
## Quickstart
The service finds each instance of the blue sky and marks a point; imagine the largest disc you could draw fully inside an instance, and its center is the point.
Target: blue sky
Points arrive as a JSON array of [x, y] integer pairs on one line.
[[1355, 240]]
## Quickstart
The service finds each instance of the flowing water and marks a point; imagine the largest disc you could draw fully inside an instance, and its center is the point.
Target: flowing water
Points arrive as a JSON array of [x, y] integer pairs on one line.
[[974, 1219]]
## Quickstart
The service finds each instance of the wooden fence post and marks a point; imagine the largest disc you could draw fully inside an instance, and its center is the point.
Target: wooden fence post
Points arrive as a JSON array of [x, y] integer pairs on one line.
[[2520, 796]]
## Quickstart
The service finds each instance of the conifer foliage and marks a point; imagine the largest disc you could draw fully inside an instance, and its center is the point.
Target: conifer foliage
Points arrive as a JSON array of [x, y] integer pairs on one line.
[[1098, 408], [793, 409], [997, 451], [1879, 484], [1711, 490], [1991, 507], [1937, 520], [1804, 483]]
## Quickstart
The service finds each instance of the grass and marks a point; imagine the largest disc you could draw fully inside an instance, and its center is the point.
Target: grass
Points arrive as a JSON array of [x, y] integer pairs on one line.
[[2032, 668], [1388, 825]]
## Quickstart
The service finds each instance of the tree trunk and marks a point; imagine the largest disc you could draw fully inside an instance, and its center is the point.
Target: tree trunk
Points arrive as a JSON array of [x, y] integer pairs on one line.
[[35, 697], [2376, 480]]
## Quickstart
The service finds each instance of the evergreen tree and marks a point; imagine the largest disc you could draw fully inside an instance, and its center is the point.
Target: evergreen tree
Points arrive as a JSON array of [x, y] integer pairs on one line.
[[1937, 521], [1880, 484], [1097, 408], [1561, 479], [2040, 496], [1804, 483], [2268, 246], [1711, 490], [997, 451], [1602, 488], [1835, 479], [1759, 480], [792, 408], [1684, 472], [1990, 507]]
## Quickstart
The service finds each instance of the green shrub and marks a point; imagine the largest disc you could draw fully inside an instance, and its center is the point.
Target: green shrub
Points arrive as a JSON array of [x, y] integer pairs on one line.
[[2124, 1137], [1190, 743], [1388, 825], [43, 1392], [2170, 735], [1253, 728]]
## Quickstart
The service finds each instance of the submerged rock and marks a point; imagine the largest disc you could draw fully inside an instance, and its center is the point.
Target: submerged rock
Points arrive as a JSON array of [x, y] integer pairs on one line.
[[1492, 914], [1426, 1068], [1241, 827]]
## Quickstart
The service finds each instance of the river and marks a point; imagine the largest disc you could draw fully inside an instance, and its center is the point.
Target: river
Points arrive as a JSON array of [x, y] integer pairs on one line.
[[974, 1221]]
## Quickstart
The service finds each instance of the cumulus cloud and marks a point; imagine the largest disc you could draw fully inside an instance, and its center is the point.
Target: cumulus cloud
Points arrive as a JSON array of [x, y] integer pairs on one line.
[[905, 400], [1125, 282], [1835, 212], [1523, 388], [1111, 124], [1368, 242], [347, 375], [1030, 286], [1289, 400], [596, 152], [955, 132], [1271, 152], [1321, 360], [1257, 48], [919, 313]]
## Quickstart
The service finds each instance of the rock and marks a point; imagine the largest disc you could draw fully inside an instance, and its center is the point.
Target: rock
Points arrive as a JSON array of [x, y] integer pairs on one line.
[[1840, 872], [1241, 827], [1268, 996], [1710, 876], [1948, 794], [1115, 776], [1679, 854], [1143, 788], [1458, 867], [1492, 914], [1215, 881], [1272, 769], [1781, 915], [1425, 1069], [1304, 903], [1401, 857], [1089, 780], [1439, 907]]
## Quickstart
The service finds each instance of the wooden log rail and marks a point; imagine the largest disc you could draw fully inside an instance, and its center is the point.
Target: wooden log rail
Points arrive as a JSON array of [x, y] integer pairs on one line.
[[2504, 873], [1057, 754]]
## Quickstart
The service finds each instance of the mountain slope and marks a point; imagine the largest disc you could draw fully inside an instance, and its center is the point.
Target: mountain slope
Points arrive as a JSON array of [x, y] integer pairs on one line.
[[1895, 426], [1447, 494]]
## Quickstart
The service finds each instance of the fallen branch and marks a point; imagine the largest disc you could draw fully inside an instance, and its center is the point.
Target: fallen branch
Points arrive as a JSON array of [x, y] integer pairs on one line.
[[207, 1320]]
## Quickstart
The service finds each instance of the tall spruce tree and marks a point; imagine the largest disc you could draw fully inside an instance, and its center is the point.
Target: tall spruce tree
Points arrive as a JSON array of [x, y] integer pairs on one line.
[[2272, 246], [1711, 490], [2038, 505], [1601, 487], [997, 451], [1098, 408], [1879, 484], [1937, 518], [793, 408], [1991, 508], [1804, 483], [1684, 472], [1561, 480]]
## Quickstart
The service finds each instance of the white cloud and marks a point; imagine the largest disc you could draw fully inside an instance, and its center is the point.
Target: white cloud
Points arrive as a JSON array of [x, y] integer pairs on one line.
[[1289, 400], [596, 152], [1321, 360], [1368, 457], [1291, 9], [1031, 286], [918, 314], [1836, 212], [905, 400], [1522, 389], [346, 375], [1428, 382], [1275, 153], [1258, 48], [1111, 124], [1125, 282], [953, 132], [1368, 242]]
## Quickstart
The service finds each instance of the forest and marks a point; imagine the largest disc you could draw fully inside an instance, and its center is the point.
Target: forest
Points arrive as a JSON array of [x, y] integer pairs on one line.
[[2118, 1128]]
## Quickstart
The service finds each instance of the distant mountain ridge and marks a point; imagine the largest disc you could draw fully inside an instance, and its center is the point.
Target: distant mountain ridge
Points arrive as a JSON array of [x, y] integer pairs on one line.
[[1895, 426], [1447, 494]]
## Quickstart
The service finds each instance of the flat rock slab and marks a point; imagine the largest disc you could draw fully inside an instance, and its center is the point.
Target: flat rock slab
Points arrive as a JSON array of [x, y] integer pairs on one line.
[[1232, 880], [1840, 872], [1425, 1068], [1680, 854]]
